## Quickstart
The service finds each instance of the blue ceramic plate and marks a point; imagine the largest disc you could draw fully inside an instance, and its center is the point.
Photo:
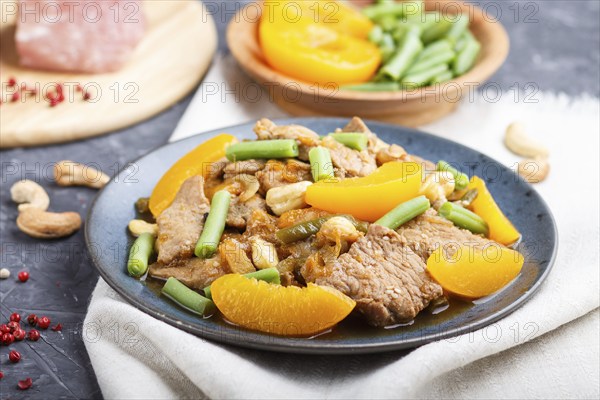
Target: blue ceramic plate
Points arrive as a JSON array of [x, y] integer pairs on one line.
[[108, 243]]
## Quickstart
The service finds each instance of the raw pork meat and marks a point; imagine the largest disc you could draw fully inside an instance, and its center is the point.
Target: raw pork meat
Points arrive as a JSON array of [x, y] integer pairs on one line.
[[81, 36]]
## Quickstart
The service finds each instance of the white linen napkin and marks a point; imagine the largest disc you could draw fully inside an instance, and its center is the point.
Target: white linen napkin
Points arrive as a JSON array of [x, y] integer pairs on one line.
[[529, 354]]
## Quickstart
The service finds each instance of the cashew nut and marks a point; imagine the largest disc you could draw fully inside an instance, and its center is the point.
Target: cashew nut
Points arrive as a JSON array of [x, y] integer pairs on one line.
[[519, 143], [48, 225], [390, 153], [70, 173], [534, 171], [446, 181], [4, 273], [264, 254], [30, 195], [288, 197], [336, 229], [437, 185], [139, 226], [250, 186]]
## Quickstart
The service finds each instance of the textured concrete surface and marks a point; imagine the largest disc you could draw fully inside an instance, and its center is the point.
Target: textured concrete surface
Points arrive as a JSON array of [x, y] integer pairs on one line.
[[555, 46]]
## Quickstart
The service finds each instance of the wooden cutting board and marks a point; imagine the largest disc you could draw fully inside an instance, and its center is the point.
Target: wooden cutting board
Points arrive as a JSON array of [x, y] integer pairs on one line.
[[169, 62]]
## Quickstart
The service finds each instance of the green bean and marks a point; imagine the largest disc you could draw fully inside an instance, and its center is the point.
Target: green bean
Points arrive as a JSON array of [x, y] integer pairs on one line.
[[404, 212], [412, 8], [434, 48], [442, 57], [462, 41], [387, 22], [376, 34], [187, 298], [320, 163], [442, 77], [399, 32], [422, 20], [380, 78], [139, 254], [373, 87], [437, 30], [282, 148], [360, 226], [463, 218], [466, 57], [407, 51], [357, 141], [382, 9], [422, 78], [387, 46], [458, 28], [460, 180], [270, 275], [403, 28], [306, 229], [214, 225], [301, 230]]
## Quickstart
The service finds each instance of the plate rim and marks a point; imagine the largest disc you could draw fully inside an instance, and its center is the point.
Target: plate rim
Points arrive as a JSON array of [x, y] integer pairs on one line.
[[303, 346]]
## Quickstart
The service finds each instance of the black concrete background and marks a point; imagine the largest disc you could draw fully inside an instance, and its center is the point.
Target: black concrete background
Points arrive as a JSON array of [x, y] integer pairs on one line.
[[555, 46]]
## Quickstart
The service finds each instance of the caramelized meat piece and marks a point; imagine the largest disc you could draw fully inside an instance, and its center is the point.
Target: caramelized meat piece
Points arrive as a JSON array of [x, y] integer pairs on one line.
[[194, 272], [266, 129], [214, 170], [248, 167], [277, 173], [234, 252], [179, 226], [240, 211], [381, 273], [353, 162], [262, 225], [358, 125], [429, 231]]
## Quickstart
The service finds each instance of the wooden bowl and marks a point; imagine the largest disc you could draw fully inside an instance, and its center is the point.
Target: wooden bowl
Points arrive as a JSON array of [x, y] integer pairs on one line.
[[407, 107]]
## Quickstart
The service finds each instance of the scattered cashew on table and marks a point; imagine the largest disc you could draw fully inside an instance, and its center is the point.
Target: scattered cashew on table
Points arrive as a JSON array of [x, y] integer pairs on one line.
[[70, 173], [535, 167], [34, 219]]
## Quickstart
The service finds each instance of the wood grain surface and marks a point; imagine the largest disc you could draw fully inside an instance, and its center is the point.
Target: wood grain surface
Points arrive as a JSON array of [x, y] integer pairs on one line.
[[169, 62]]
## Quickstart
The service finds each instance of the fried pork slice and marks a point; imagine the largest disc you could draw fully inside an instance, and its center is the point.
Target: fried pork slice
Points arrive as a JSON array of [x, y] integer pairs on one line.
[[266, 129], [240, 211], [381, 273], [384, 152], [278, 173], [261, 224], [179, 226], [353, 162], [247, 167], [196, 273], [358, 125], [429, 231], [235, 253]]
